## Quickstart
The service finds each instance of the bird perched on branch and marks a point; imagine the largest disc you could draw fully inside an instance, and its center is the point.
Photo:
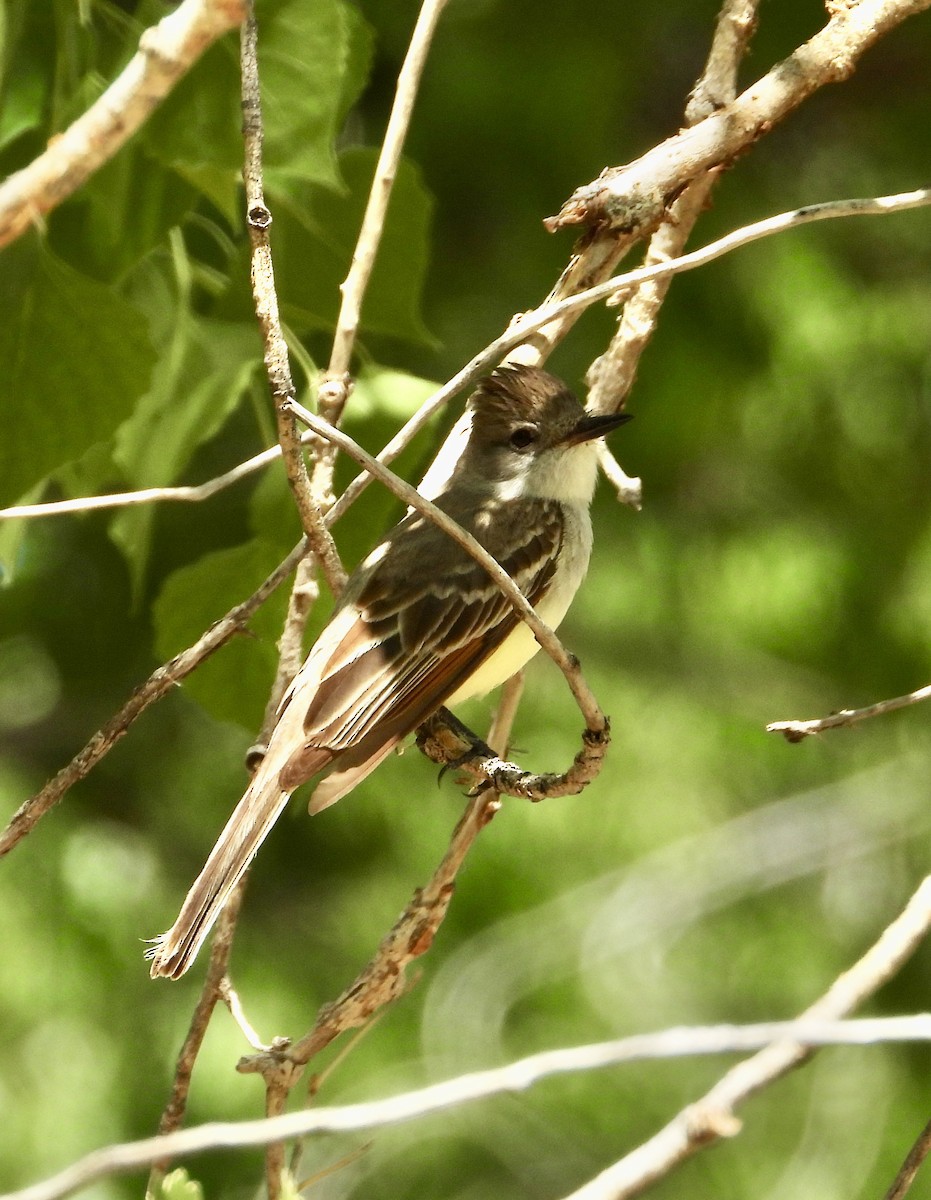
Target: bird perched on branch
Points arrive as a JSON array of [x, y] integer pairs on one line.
[[420, 623]]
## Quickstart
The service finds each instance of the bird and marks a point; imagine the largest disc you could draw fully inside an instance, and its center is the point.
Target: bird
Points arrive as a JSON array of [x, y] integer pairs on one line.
[[420, 624]]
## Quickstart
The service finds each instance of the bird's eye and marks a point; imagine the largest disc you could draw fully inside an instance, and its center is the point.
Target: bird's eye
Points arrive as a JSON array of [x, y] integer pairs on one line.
[[523, 437]]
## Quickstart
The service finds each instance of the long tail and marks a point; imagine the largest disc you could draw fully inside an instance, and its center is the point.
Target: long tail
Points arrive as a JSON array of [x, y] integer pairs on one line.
[[251, 822]]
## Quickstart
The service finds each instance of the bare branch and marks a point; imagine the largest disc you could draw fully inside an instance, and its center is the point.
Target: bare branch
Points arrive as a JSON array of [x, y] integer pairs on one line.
[[797, 731], [373, 220], [185, 493], [166, 52], [717, 86], [304, 594], [335, 386], [382, 980], [277, 365], [634, 197], [628, 487], [499, 735]]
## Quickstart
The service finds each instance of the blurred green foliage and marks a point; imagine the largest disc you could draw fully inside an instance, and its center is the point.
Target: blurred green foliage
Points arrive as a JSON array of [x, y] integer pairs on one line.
[[781, 567]]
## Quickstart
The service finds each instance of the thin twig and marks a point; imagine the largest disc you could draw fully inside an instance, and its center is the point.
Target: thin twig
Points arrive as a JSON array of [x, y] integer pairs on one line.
[[629, 488], [373, 221], [797, 731], [185, 493], [211, 992], [634, 197], [230, 998], [304, 594], [499, 734], [909, 1169], [259, 220], [166, 51], [323, 548], [157, 685], [336, 383]]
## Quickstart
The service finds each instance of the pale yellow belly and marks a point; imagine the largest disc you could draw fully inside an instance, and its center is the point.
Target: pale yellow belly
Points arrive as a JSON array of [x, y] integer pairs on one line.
[[518, 649]]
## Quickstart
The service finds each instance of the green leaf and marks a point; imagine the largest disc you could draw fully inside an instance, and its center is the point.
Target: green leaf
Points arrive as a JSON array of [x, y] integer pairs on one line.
[[177, 1185], [74, 358], [381, 392], [120, 215], [233, 684], [313, 62], [198, 382], [313, 242], [273, 513]]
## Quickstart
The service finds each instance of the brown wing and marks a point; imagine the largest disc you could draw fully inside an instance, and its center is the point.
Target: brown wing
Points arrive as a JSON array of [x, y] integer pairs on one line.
[[406, 639]]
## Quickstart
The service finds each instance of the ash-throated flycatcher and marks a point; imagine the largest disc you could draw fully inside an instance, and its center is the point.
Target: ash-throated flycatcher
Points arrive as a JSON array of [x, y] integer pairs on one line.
[[420, 624]]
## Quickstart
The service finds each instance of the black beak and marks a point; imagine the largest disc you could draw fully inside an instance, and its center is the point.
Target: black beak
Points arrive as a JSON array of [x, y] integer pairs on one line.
[[595, 426]]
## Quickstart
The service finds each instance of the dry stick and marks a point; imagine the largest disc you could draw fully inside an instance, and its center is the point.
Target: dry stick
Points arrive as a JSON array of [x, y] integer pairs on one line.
[[797, 731], [212, 991], [499, 734], [190, 493], [335, 386], [909, 1169], [712, 1117], [259, 220], [635, 196], [520, 331], [162, 680], [166, 52], [611, 376]]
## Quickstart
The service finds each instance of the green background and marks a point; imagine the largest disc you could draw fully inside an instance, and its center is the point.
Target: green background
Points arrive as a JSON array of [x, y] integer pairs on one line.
[[781, 567]]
